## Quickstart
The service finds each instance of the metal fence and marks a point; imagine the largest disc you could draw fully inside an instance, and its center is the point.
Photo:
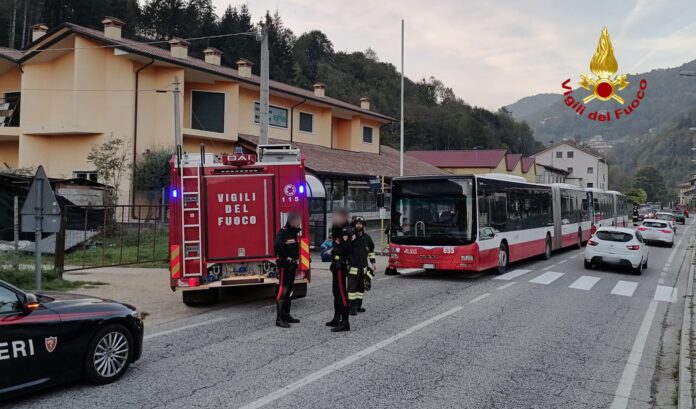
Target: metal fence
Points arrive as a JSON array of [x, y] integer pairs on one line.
[[103, 236]]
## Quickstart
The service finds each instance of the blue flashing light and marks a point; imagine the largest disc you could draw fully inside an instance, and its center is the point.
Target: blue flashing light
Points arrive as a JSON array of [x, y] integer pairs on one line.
[[175, 193], [301, 189]]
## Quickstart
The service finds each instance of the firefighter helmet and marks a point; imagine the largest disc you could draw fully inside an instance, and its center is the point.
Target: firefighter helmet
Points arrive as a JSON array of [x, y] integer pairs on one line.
[[359, 219]]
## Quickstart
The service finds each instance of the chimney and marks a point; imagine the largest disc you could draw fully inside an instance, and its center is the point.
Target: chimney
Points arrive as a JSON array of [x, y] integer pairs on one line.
[[178, 48], [38, 31], [212, 55], [112, 27], [365, 103], [319, 90], [244, 67]]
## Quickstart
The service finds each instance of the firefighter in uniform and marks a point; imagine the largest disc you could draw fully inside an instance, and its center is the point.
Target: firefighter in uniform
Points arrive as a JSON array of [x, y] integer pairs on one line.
[[342, 235], [287, 249], [361, 273]]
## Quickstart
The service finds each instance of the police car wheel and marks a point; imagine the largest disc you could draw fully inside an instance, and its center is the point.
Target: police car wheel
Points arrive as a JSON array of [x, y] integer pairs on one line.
[[299, 290], [109, 354]]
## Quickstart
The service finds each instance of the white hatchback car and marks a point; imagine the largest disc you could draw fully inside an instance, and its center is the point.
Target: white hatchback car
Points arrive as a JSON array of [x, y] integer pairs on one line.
[[667, 217], [617, 246], [658, 231]]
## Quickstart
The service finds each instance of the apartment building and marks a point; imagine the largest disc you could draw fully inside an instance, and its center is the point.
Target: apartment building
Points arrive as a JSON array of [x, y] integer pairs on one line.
[[585, 168], [479, 161]]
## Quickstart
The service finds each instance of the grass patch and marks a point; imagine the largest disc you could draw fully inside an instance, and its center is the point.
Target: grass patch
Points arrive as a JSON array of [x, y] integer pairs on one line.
[[50, 280], [147, 248]]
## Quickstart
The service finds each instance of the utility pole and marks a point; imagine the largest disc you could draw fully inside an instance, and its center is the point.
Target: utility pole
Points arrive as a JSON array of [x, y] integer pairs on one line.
[[177, 114], [37, 234], [263, 98], [401, 125]]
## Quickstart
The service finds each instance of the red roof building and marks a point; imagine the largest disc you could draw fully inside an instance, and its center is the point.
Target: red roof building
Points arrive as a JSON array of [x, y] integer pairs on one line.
[[478, 161]]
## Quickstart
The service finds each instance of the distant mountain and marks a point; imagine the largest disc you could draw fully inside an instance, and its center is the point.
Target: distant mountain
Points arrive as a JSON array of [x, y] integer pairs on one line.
[[529, 106], [667, 95]]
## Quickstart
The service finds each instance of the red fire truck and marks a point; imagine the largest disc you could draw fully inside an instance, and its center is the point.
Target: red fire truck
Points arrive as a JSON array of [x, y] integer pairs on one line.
[[224, 213]]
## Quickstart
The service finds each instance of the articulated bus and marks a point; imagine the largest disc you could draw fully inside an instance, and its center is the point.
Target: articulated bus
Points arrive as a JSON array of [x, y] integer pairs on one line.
[[481, 222]]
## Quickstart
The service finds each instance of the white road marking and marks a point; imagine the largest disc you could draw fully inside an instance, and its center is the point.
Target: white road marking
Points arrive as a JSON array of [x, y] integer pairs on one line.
[[479, 298], [185, 327], [623, 391], [664, 293], [584, 283], [504, 286], [625, 288], [661, 281], [563, 261], [549, 267], [547, 278], [512, 274], [288, 389], [663, 274]]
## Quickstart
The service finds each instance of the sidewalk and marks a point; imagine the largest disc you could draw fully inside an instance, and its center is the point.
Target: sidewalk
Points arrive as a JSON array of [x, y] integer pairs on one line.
[[687, 371]]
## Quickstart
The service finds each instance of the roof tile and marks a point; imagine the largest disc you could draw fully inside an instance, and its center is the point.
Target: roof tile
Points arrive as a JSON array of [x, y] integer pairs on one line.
[[484, 158]]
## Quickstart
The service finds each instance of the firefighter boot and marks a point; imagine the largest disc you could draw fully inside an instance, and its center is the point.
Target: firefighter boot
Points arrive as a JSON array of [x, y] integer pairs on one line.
[[280, 322], [286, 313], [360, 307], [343, 325], [353, 308]]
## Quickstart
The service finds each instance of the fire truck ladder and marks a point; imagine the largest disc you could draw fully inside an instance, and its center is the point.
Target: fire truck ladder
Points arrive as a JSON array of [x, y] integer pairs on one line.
[[191, 217]]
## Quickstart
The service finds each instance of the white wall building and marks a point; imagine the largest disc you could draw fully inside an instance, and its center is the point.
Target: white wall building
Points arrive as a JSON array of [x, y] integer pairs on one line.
[[585, 168]]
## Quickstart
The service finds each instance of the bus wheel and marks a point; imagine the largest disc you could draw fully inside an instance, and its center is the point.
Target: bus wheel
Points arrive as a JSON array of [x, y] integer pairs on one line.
[[503, 259], [578, 245], [547, 249], [200, 297]]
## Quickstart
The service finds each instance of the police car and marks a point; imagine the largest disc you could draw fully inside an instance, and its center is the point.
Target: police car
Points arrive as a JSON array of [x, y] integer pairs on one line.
[[49, 338]]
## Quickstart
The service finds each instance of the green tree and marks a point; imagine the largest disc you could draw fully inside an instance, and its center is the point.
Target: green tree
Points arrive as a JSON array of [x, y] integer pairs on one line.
[[237, 20], [110, 159], [651, 181], [636, 195], [164, 19], [151, 174], [280, 45], [310, 50]]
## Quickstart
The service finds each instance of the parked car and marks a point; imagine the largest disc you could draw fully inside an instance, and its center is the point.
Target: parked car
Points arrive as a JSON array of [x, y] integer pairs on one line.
[[680, 216], [668, 217], [617, 246], [50, 338], [657, 231]]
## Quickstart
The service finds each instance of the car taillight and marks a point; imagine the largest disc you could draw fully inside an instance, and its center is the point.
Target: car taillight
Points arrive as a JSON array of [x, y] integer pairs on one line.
[[633, 247], [641, 228], [592, 243], [666, 231]]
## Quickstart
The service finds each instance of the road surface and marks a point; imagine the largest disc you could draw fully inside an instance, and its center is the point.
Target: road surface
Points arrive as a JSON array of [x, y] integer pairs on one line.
[[548, 334]]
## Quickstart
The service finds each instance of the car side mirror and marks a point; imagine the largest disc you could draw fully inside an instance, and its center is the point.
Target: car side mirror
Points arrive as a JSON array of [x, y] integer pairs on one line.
[[30, 303]]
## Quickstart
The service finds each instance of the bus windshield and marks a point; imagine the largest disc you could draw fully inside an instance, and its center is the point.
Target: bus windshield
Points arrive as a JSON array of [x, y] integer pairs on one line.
[[432, 212]]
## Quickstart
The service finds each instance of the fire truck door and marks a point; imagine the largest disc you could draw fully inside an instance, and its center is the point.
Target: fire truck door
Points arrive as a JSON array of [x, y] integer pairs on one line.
[[240, 222]]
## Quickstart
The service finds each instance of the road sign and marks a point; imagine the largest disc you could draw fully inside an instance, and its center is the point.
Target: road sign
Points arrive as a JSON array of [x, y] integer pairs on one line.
[[375, 183], [382, 213], [40, 206]]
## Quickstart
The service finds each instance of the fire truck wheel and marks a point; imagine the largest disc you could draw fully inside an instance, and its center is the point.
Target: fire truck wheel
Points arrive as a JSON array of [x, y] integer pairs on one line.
[[299, 290], [202, 297]]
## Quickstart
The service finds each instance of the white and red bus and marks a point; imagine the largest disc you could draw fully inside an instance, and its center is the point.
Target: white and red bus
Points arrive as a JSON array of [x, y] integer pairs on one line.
[[482, 222], [610, 208]]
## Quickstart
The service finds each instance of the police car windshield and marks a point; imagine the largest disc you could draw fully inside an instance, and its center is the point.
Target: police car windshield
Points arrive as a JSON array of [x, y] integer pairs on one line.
[[432, 212]]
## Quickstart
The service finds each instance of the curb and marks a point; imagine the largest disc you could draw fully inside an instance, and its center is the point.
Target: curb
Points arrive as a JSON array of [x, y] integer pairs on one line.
[[685, 347]]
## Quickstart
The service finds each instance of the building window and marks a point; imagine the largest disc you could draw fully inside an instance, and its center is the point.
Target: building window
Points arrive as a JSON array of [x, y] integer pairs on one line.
[[590, 170], [85, 175], [277, 116], [559, 155], [570, 170], [570, 154], [367, 134], [590, 185], [208, 111], [306, 122], [9, 109]]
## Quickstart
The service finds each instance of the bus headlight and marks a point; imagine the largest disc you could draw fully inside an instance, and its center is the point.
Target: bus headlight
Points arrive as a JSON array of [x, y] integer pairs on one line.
[[467, 258]]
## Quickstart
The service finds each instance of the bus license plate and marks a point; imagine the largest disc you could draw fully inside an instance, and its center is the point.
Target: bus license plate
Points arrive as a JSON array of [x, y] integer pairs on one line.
[[429, 266]]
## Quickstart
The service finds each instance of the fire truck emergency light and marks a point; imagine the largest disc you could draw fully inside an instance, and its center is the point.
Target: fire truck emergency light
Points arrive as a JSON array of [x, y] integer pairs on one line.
[[301, 189], [175, 193]]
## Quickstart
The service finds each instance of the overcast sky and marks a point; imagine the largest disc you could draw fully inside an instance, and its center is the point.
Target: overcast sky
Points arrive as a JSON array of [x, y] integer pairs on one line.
[[493, 52]]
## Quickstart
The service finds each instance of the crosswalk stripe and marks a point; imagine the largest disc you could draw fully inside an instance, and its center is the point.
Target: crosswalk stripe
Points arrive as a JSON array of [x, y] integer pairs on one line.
[[547, 278], [625, 288], [665, 293], [512, 274], [584, 283]]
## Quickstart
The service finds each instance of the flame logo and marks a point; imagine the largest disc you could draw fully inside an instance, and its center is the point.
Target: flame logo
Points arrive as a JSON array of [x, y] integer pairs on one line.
[[603, 65]]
